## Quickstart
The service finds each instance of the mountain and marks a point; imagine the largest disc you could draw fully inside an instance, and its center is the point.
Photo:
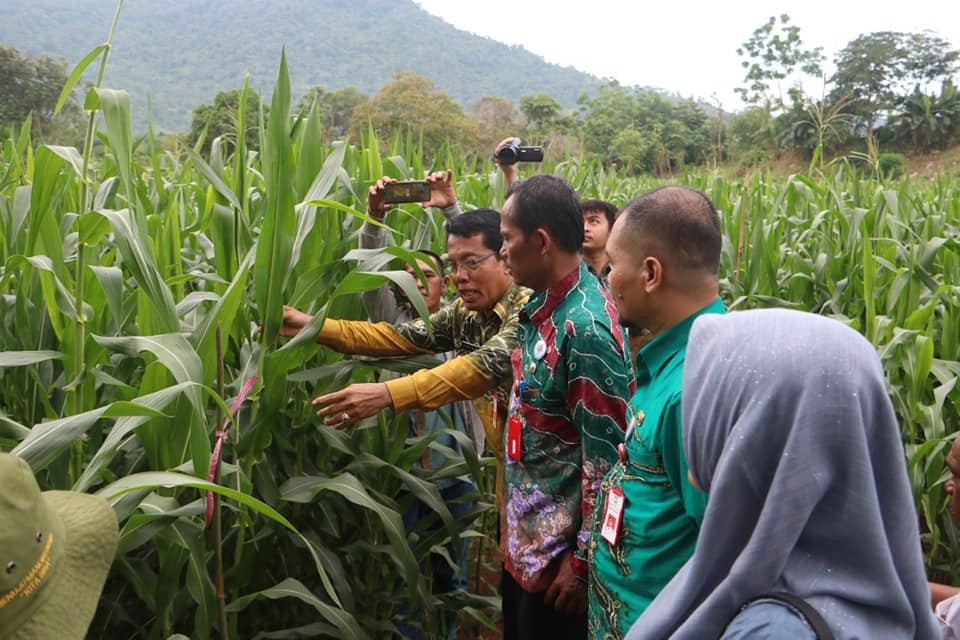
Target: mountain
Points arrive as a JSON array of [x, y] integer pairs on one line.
[[182, 52]]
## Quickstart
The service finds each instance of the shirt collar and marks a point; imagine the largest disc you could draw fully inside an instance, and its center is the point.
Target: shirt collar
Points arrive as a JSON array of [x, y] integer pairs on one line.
[[660, 350], [507, 304], [604, 272], [541, 305]]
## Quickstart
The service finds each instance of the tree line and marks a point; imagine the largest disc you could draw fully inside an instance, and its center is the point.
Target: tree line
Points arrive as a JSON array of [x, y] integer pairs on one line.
[[640, 130], [891, 91]]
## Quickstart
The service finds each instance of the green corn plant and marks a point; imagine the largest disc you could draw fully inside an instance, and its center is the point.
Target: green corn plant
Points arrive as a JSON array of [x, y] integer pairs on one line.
[[174, 246], [118, 267]]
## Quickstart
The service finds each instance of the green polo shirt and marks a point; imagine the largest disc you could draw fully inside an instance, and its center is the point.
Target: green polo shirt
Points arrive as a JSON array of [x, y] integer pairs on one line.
[[663, 511]]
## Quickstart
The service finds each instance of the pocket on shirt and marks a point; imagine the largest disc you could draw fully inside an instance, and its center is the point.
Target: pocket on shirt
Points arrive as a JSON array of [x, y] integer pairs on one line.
[[645, 467]]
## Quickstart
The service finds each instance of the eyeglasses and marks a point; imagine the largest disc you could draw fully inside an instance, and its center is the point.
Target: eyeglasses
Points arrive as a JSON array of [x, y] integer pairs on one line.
[[469, 264]]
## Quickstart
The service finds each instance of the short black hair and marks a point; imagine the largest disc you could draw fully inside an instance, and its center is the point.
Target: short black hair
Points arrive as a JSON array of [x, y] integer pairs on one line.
[[436, 259], [549, 202], [608, 209], [679, 220], [485, 222]]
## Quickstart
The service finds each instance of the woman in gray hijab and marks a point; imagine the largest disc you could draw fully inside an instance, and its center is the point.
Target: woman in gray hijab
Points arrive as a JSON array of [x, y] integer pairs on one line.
[[788, 426]]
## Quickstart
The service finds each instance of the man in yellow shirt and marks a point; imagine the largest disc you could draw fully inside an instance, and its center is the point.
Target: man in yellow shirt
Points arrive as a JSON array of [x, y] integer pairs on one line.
[[480, 326]]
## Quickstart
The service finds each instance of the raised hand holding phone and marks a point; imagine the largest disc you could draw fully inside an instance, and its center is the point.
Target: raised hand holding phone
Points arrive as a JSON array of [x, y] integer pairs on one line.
[[406, 191], [376, 206], [441, 190], [435, 191]]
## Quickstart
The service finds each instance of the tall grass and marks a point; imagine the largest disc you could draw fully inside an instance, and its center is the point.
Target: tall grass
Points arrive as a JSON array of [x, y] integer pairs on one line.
[[119, 268]]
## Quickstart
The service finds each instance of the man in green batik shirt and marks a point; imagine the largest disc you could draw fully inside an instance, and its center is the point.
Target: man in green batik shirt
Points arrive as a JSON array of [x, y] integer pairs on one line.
[[664, 252], [572, 378]]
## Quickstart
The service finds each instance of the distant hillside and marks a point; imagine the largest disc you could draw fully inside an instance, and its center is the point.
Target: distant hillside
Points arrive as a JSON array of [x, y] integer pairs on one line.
[[181, 52]]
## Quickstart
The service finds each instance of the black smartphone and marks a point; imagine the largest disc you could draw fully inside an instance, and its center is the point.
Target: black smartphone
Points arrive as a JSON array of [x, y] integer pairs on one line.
[[409, 191]]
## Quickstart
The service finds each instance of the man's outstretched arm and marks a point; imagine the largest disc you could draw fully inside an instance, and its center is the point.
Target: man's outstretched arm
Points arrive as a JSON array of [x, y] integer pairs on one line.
[[461, 378]]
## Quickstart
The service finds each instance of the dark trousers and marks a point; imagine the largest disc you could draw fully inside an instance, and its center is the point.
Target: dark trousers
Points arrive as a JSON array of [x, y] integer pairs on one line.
[[527, 617]]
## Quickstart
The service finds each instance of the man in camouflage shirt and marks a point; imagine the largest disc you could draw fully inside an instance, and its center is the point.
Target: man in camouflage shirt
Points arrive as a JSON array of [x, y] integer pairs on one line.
[[480, 326]]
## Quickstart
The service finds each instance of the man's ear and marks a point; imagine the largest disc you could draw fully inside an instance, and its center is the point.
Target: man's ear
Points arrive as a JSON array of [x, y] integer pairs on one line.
[[652, 270], [545, 239]]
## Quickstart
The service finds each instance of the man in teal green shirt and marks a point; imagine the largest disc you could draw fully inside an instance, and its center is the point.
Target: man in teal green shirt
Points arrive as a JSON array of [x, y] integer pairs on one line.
[[664, 253]]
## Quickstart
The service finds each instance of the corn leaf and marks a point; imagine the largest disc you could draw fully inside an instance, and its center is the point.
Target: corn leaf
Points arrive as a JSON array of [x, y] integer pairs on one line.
[[345, 623], [22, 358], [75, 76], [278, 225], [139, 260]]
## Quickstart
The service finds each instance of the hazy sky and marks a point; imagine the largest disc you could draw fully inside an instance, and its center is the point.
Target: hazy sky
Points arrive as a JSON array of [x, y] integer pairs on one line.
[[688, 47]]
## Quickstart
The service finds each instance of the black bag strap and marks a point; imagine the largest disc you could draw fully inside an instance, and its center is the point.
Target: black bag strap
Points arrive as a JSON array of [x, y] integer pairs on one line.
[[813, 618]]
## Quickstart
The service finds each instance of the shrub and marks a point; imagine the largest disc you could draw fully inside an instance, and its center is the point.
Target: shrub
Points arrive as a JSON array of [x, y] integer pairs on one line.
[[890, 165]]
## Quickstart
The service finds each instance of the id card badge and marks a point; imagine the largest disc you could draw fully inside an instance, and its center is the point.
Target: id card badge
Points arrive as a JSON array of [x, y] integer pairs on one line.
[[514, 437], [613, 516]]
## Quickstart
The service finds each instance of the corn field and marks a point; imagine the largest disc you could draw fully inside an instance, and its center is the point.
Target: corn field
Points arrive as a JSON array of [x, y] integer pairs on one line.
[[141, 292]]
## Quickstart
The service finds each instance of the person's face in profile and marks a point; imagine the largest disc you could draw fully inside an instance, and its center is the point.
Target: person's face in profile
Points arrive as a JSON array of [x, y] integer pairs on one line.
[[953, 482], [629, 279], [521, 253]]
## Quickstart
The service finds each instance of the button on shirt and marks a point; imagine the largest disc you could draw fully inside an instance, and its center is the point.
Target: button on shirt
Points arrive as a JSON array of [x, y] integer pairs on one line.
[[572, 378], [663, 510]]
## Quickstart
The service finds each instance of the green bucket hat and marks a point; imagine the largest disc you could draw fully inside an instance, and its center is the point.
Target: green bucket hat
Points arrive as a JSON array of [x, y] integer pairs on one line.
[[56, 548]]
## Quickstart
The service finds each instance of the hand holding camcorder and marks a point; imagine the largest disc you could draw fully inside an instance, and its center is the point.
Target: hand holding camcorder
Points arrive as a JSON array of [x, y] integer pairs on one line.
[[512, 152]]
